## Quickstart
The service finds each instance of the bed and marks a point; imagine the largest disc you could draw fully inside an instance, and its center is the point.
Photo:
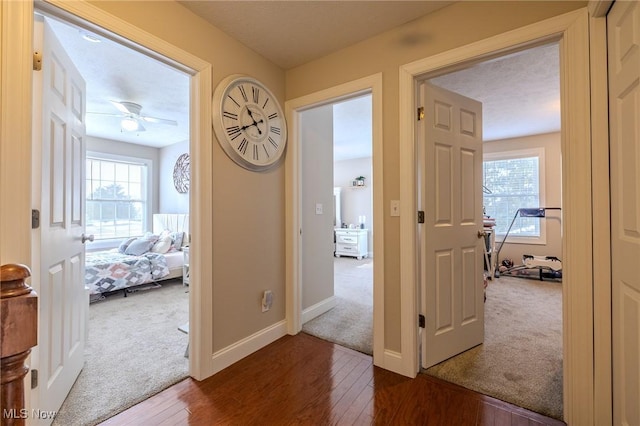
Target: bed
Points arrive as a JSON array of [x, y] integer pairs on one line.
[[141, 261]]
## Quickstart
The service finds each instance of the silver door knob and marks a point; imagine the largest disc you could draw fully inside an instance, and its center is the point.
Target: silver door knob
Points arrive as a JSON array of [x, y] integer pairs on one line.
[[482, 234], [86, 238]]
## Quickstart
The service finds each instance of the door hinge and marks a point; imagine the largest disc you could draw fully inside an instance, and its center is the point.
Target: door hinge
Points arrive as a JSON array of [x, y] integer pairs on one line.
[[420, 113], [420, 216], [422, 321], [34, 379], [35, 219], [37, 61]]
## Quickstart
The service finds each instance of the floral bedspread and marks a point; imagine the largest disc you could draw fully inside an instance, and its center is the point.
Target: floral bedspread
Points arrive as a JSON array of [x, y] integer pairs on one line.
[[110, 271]]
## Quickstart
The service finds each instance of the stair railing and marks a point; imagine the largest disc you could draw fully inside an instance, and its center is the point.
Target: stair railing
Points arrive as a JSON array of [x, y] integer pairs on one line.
[[18, 334]]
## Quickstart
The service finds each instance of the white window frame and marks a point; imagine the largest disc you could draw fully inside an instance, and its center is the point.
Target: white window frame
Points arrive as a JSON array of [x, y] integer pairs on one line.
[[114, 242], [518, 154]]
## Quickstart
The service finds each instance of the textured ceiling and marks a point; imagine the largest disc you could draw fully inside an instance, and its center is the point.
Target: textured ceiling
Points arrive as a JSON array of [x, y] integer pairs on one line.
[[113, 72], [520, 92], [293, 32]]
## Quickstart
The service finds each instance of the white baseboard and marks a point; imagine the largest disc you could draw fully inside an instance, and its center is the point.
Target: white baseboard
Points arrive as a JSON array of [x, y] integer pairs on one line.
[[318, 309], [235, 352], [392, 361]]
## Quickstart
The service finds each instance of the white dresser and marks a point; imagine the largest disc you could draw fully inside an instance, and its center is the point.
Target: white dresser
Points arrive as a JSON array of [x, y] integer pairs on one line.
[[351, 242], [185, 266]]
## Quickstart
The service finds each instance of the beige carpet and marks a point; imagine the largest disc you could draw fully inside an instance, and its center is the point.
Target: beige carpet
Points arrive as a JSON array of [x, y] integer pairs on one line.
[[134, 350], [521, 359], [350, 323]]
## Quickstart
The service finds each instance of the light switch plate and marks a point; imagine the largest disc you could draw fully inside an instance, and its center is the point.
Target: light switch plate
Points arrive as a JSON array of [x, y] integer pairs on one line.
[[318, 208], [395, 207]]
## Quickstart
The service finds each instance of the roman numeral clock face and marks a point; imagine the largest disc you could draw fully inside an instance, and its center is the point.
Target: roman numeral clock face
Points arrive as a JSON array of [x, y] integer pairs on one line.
[[249, 123]]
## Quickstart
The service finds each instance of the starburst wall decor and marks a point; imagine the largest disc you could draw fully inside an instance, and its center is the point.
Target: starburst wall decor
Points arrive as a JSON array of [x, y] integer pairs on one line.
[[181, 172]]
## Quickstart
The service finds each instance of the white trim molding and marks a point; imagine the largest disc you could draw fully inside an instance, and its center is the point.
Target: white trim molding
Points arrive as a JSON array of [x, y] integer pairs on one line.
[[599, 8], [16, 39], [373, 85], [602, 281], [572, 32], [245, 347], [319, 308]]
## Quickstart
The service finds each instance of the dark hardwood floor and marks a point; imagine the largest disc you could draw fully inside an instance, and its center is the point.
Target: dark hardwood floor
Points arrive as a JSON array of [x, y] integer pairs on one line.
[[302, 380]]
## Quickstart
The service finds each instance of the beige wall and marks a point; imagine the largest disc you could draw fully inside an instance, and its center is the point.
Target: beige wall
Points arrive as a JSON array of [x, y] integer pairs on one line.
[[248, 220], [553, 194], [316, 145], [453, 26]]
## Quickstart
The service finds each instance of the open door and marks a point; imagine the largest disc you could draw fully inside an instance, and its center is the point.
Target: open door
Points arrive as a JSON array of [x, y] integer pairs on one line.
[[451, 239], [624, 112], [59, 193]]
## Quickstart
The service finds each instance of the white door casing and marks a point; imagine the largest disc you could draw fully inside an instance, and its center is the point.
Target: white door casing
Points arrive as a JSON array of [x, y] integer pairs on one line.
[[293, 108], [451, 239], [572, 31], [59, 142], [623, 28]]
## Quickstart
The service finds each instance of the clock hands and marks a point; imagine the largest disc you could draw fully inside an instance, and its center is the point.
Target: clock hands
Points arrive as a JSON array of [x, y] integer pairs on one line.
[[255, 123]]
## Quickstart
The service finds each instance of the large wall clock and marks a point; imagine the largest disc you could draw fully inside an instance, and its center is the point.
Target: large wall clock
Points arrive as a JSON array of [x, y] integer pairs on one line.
[[248, 122]]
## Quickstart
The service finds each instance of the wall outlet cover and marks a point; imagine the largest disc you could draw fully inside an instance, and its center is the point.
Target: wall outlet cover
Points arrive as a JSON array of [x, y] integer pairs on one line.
[[267, 300]]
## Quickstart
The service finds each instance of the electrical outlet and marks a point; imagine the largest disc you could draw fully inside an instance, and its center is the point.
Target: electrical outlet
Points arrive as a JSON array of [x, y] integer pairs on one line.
[[267, 300], [318, 208]]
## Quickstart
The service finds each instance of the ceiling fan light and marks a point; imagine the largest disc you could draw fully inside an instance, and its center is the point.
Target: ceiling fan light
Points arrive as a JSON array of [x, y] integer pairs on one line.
[[129, 124]]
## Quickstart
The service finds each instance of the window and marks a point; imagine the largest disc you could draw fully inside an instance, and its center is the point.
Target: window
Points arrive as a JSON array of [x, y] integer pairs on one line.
[[514, 180], [116, 197]]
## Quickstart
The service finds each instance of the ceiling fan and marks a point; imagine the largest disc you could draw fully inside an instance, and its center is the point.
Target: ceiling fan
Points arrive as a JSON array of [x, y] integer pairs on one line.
[[131, 117]]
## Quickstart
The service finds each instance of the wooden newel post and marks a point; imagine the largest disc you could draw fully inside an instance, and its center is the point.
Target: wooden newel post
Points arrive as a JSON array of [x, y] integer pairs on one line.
[[18, 334]]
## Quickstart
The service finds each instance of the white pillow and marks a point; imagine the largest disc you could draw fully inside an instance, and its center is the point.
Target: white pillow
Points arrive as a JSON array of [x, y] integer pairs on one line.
[[162, 245], [123, 246], [138, 247], [177, 238]]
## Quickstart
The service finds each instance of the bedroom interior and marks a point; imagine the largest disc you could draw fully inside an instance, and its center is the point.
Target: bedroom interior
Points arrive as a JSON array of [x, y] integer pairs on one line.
[[137, 259]]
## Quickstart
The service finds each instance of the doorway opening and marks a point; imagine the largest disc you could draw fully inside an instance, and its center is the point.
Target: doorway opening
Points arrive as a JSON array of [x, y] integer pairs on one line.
[[345, 316], [520, 360], [295, 197], [136, 192]]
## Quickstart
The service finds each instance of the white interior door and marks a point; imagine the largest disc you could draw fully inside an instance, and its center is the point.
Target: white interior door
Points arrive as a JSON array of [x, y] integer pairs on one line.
[[59, 145], [623, 27], [451, 249]]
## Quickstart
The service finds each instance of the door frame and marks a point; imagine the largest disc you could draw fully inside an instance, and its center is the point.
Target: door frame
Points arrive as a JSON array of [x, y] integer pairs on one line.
[[571, 30], [293, 174], [17, 94]]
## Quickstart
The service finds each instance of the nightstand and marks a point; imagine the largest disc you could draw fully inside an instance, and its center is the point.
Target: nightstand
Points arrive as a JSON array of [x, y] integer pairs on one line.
[[185, 266], [351, 242]]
